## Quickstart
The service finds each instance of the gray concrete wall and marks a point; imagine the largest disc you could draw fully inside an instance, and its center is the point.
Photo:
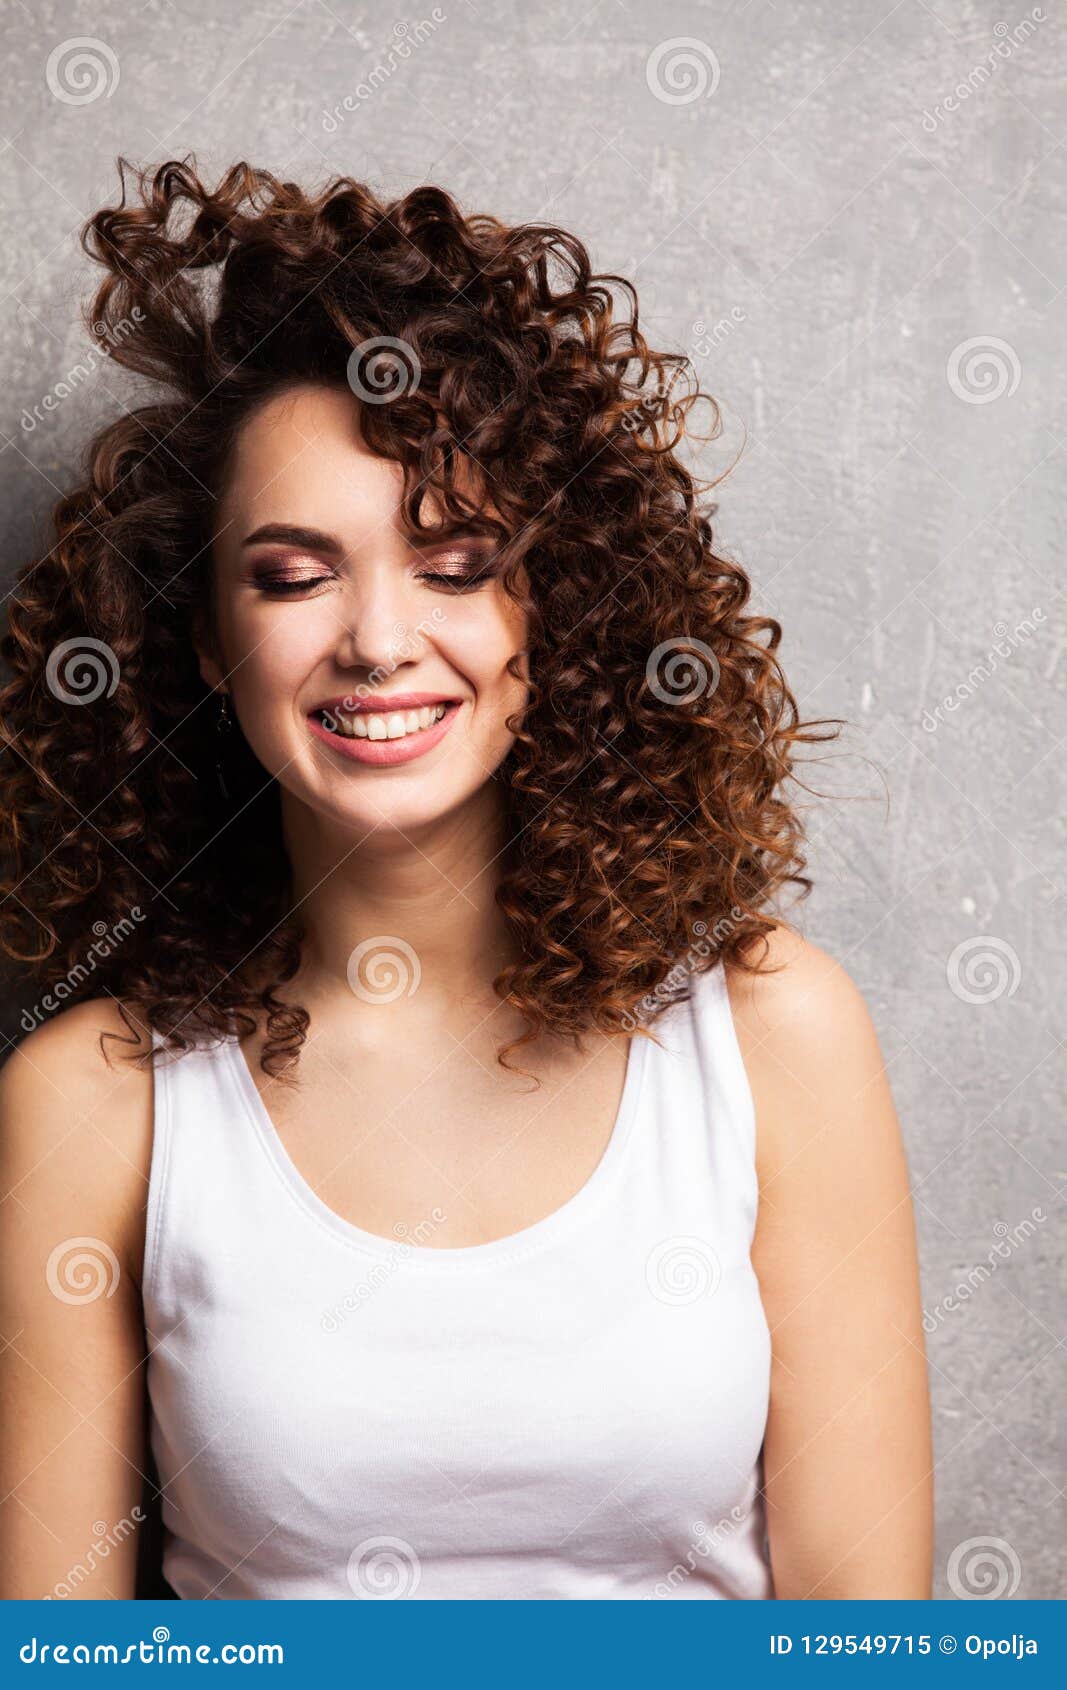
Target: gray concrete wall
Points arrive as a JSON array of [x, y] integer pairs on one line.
[[853, 218]]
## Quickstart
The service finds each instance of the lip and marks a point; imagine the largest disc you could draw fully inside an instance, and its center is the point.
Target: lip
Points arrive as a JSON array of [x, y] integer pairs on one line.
[[380, 703], [386, 753]]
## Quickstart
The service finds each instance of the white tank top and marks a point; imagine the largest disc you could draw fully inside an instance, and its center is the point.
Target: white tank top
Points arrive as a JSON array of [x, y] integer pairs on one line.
[[574, 1411]]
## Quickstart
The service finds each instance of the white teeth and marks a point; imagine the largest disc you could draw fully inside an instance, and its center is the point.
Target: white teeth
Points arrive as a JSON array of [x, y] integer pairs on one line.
[[394, 724]]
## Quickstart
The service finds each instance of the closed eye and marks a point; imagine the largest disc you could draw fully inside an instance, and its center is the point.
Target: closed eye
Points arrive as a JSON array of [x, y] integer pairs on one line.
[[288, 586], [461, 570], [459, 583]]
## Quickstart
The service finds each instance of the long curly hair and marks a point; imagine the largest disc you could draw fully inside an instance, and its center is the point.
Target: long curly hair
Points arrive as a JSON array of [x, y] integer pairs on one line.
[[649, 823]]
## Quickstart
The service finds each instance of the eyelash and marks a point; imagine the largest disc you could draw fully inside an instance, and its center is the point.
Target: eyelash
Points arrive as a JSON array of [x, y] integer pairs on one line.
[[460, 583], [278, 587]]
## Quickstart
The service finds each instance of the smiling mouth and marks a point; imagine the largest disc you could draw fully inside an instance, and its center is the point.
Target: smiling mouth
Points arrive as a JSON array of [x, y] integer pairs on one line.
[[375, 725]]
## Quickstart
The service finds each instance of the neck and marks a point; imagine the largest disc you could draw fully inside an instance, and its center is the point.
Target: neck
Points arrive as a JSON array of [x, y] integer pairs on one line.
[[433, 891]]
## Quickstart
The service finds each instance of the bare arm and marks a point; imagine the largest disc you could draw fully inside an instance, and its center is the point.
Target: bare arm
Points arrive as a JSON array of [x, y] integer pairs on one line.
[[847, 1455], [75, 1138]]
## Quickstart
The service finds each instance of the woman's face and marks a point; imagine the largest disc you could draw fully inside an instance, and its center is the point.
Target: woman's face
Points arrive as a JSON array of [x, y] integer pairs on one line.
[[367, 666]]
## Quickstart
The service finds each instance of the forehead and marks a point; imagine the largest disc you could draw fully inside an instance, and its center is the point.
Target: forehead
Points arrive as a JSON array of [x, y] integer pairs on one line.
[[301, 458]]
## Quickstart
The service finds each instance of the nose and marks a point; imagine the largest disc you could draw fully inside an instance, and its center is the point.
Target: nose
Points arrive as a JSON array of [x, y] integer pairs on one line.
[[375, 618]]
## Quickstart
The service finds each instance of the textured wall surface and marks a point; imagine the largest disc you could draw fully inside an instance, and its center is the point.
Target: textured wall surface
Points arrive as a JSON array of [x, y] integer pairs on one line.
[[852, 218]]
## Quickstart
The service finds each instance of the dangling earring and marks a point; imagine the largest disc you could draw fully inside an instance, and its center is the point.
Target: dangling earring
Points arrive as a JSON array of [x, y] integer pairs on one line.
[[223, 723]]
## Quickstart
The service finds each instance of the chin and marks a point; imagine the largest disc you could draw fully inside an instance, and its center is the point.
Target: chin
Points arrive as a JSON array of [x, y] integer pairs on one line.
[[389, 809]]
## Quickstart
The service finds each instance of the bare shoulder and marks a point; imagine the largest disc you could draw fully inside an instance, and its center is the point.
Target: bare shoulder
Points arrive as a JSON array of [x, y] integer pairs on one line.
[[75, 1141], [834, 1252], [76, 1125], [798, 993], [811, 1051]]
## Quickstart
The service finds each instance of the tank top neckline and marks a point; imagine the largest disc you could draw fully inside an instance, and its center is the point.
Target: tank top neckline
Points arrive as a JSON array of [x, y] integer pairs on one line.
[[448, 1258]]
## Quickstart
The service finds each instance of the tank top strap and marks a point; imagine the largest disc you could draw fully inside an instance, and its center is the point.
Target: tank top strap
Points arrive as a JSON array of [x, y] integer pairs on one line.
[[201, 1164], [701, 1135]]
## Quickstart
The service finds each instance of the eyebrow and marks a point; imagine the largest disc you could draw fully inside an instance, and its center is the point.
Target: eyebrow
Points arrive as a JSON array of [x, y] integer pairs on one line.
[[285, 534], [316, 540]]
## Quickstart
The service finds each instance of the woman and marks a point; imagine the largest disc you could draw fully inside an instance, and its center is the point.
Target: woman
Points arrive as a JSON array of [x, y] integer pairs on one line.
[[513, 1207]]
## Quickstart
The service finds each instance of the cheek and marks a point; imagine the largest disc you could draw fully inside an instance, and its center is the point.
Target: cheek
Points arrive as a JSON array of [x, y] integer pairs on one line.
[[501, 696], [271, 656], [482, 643]]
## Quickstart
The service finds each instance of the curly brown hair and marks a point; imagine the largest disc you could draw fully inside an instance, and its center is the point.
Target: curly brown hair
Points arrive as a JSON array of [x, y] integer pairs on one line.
[[645, 786]]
